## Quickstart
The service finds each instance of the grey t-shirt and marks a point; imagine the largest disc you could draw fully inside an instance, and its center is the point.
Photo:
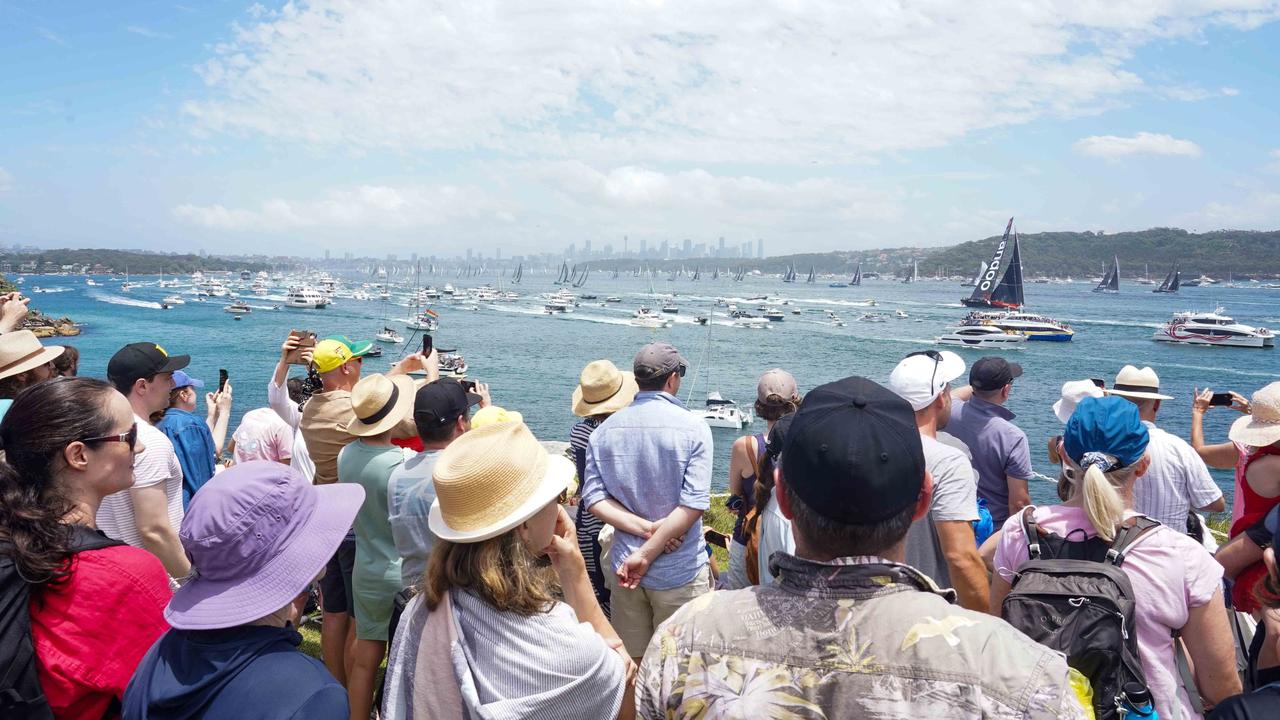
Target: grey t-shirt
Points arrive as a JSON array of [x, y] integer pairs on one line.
[[410, 493], [955, 497]]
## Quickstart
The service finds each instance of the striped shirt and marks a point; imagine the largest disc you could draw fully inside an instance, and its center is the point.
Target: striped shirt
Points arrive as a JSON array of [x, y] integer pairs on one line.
[[157, 464], [1176, 481]]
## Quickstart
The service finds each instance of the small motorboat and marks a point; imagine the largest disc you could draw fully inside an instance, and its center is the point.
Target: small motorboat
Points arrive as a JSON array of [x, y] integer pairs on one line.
[[238, 307], [774, 315], [173, 300], [982, 336], [900, 314], [389, 336], [647, 318], [722, 413], [670, 307], [871, 317], [613, 299]]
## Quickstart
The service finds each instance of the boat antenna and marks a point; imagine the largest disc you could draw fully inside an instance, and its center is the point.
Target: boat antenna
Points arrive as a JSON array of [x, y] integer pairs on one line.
[[706, 351]]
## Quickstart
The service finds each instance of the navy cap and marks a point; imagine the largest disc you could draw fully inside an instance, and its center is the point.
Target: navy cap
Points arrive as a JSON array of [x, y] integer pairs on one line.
[[853, 453], [993, 373], [1108, 425], [441, 402]]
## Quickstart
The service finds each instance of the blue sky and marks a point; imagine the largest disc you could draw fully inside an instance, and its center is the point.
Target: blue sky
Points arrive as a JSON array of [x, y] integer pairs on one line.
[[396, 127]]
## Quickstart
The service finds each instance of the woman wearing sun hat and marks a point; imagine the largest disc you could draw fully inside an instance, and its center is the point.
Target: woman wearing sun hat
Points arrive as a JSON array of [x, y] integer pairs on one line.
[[602, 390], [23, 363], [379, 404], [1254, 454], [257, 534], [485, 637], [1177, 585]]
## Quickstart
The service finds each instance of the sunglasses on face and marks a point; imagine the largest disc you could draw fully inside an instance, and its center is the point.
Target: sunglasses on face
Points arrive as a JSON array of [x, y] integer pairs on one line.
[[130, 438]]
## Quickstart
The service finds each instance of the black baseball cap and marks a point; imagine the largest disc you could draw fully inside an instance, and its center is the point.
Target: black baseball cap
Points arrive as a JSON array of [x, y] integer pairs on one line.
[[993, 373], [441, 402], [142, 360], [853, 452]]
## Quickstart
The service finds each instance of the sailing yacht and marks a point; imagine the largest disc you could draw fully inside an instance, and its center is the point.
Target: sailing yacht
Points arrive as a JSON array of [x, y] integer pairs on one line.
[[1172, 281], [857, 276], [914, 275], [1111, 280], [1000, 286], [982, 270], [809, 280], [1146, 275]]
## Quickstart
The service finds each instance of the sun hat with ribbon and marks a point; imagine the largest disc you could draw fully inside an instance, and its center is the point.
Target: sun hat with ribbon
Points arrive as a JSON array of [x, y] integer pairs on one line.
[[603, 389], [1142, 384], [1262, 426], [491, 479], [21, 351], [257, 534], [1073, 392], [1105, 431], [380, 403]]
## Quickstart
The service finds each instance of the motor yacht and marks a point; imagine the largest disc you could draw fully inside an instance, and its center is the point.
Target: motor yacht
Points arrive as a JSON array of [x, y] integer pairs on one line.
[[173, 300], [670, 307], [424, 321], [1035, 327], [647, 318], [774, 315], [1213, 328], [387, 335], [871, 317], [981, 336], [238, 307], [306, 298]]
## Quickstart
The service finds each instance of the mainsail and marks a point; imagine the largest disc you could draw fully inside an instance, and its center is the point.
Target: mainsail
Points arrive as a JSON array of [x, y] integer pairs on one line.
[[810, 278], [857, 276], [790, 275], [1111, 280], [1172, 281], [1001, 285], [515, 279]]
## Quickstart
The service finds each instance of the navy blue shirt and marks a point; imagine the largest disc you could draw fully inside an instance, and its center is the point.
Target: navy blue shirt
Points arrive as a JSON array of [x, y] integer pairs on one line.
[[251, 672], [193, 442]]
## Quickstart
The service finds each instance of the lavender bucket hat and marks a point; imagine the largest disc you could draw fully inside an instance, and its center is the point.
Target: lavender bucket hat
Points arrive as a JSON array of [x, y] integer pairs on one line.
[[257, 535]]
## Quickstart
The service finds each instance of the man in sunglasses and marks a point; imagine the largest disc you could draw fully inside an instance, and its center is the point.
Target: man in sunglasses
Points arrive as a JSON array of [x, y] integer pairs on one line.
[[148, 514], [648, 474]]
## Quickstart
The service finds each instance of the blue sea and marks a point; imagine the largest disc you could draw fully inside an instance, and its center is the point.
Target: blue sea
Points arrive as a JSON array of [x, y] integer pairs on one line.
[[531, 360]]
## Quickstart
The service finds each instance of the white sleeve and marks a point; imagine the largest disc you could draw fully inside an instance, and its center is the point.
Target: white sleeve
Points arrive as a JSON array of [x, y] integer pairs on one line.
[[279, 400], [1201, 489]]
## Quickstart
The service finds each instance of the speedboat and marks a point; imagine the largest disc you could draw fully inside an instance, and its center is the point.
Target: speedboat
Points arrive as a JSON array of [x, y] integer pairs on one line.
[[751, 323], [452, 364], [670, 307], [871, 317], [647, 318], [306, 298], [238, 307], [1035, 327], [900, 314], [1213, 328], [613, 299], [774, 315], [721, 413], [981, 336], [389, 336]]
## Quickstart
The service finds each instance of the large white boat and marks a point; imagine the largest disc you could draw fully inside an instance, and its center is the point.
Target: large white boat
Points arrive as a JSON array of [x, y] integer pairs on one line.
[[751, 323], [1034, 327], [981, 336], [774, 315], [1213, 328], [238, 307], [306, 298], [387, 335], [647, 318], [721, 413]]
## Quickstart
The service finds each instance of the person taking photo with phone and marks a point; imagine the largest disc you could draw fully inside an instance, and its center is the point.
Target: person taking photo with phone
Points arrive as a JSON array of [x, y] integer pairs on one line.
[[195, 440]]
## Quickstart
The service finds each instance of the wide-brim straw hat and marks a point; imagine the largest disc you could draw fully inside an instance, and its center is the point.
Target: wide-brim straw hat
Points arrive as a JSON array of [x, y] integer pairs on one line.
[[1262, 426], [21, 351], [603, 389], [491, 480], [380, 403], [1134, 383]]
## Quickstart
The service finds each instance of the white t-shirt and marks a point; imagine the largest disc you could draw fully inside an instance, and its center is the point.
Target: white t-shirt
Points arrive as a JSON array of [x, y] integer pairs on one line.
[[1176, 481], [158, 463], [775, 535]]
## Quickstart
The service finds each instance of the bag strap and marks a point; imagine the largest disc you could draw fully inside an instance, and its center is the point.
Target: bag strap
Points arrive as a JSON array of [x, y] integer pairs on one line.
[[84, 539], [1032, 532], [1184, 673], [1129, 534]]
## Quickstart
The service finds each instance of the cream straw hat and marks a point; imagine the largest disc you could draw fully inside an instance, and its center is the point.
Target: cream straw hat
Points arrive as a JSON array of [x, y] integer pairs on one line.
[[491, 479], [603, 389], [1262, 427], [1143, 384], [380, 403]]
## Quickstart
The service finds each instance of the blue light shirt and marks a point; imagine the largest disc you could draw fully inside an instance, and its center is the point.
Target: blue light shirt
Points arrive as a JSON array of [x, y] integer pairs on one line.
[[652, 457], [410, 492], [193, 442]]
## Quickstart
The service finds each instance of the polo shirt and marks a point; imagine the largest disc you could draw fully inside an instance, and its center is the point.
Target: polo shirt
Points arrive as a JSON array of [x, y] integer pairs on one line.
[[999, 449]]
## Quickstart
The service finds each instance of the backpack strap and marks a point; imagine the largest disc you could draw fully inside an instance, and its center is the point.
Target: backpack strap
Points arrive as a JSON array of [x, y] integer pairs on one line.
[[1129, 534], [1184, 672], [1032, 532]]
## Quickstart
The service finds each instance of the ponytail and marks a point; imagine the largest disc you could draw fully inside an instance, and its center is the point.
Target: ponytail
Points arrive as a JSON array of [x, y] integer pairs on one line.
[[1102, 503]]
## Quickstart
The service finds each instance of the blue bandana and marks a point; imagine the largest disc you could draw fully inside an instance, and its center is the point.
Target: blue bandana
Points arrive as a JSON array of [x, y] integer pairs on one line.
[[1107, 432]]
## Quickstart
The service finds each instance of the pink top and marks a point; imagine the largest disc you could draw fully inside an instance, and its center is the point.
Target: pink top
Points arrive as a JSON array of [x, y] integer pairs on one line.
[[262, 435], [1170, 573]]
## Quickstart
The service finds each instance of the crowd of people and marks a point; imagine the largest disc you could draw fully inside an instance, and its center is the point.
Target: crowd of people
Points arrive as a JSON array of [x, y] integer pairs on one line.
[[885, 559]]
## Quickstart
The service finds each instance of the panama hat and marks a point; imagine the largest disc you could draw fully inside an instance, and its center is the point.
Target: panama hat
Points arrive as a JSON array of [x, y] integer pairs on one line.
[[21, 351], [1142, 384], [603, 389], [380, 403], [491, 479], [1261, 427], [1073, 392]]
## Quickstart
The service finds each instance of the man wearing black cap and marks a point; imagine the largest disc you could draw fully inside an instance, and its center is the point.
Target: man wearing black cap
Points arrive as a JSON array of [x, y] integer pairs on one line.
[[848, 630], [148, 514], [1001, 455]]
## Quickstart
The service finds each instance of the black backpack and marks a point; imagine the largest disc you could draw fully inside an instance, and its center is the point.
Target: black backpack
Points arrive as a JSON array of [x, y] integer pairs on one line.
[[21, 697], [1073, 596]]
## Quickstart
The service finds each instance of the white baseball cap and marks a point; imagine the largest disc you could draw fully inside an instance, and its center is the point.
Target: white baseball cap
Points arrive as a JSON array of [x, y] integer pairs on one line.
[[921, 376], [1073, 392]]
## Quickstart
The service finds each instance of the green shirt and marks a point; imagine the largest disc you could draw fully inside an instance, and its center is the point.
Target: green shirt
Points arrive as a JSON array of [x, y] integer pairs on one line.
[[369, 466]]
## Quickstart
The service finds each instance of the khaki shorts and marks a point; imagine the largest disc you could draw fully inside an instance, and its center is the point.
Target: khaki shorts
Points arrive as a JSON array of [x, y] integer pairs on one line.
[[636, 614]]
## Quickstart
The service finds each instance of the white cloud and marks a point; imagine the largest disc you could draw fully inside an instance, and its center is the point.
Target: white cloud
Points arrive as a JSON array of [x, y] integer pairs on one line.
[[6, 180], [51, 36], [695, 83], [1112, 147], [147, 32], [1274, 165], [1258, 209]]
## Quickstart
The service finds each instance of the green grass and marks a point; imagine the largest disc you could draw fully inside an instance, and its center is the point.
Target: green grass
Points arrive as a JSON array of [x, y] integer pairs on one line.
[[311, 639]]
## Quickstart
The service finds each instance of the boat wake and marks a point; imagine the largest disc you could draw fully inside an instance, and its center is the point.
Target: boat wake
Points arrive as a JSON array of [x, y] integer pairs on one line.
[[1112, 323], [118, 300]]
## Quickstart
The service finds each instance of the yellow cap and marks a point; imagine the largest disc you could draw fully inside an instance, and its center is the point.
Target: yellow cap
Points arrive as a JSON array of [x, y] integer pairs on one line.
[[493, 415], [330, 355]]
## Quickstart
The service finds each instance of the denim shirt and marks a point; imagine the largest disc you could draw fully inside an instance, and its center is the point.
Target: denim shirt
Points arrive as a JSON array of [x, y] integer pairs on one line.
[[193, 442], [652, 457]]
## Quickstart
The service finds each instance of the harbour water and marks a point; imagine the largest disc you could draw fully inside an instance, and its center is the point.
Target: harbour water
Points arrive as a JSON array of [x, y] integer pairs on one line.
[[531, 360]]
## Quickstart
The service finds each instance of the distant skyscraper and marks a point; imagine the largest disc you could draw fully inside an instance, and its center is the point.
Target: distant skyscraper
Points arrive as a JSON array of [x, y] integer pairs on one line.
[[720, 250], [664, 251], [586, 248], [468, 254], [644, 246], [625, 250], [687, 248], [326, 254], [760, 248], [413, 257], [498, 253]]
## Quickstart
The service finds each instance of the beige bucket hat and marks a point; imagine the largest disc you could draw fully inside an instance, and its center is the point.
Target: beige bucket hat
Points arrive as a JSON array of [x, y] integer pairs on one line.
[[380, 403], [1262, 426], [491, 479], [21, 351], [603, 389], [1143, 384]]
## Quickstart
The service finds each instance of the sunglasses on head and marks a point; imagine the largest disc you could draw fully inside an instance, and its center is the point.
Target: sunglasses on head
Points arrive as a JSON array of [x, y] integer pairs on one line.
[[130, 438], [933, 355]]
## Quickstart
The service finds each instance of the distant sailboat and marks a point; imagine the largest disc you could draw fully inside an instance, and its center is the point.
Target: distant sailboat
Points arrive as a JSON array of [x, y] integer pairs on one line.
[[1001, 285], [697, 274], [790, 275], [1111, 280], [914, 275], [1172, 281], [982, 270], [1146, 275], [515, 279], [809, 280], [857, 276], [582, 280]]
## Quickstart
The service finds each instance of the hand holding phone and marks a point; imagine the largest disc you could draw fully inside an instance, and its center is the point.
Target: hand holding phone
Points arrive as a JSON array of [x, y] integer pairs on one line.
[[295, 344], [427, 343], [222, 379], [1222, 399]]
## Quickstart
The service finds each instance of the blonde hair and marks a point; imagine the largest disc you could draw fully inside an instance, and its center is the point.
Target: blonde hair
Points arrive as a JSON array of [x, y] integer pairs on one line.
[[1102, 503], [501, 570]]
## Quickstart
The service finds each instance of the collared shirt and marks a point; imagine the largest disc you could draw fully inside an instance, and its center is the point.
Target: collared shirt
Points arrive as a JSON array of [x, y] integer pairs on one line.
[[652, 457], [999, 448], [1176, 481], [854, 637], [193, 442], [410, 492]]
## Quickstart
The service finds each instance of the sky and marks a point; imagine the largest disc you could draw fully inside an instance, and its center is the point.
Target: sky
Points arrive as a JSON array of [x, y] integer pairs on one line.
[[377, 127]]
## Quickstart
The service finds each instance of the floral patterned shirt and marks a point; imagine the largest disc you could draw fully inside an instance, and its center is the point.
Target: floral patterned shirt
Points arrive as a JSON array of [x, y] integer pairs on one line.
[[855, 637]]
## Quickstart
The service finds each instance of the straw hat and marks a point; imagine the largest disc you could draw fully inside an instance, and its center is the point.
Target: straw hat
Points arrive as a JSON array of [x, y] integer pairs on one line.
[[490, 480], [21, 351], [494, 414], [1143, 384], [380, 403], [1262, 426], [603, 389]]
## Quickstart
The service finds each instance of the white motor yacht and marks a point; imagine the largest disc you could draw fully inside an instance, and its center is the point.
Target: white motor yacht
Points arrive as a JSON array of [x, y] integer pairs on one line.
[[751, 323], [424, 321], [389, 336], [901, 314], [1213, 328], [1035, 327], [774, 315], [238, 307], [721, 413], [647, 318], [670, 307], [173, 300], [305, 298], [982, 336], [871, 317]]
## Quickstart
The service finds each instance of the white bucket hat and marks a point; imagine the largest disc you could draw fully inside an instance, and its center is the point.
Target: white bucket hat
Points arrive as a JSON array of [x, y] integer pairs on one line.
[[1072, 393], [1143, 384], [1262, 426]]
